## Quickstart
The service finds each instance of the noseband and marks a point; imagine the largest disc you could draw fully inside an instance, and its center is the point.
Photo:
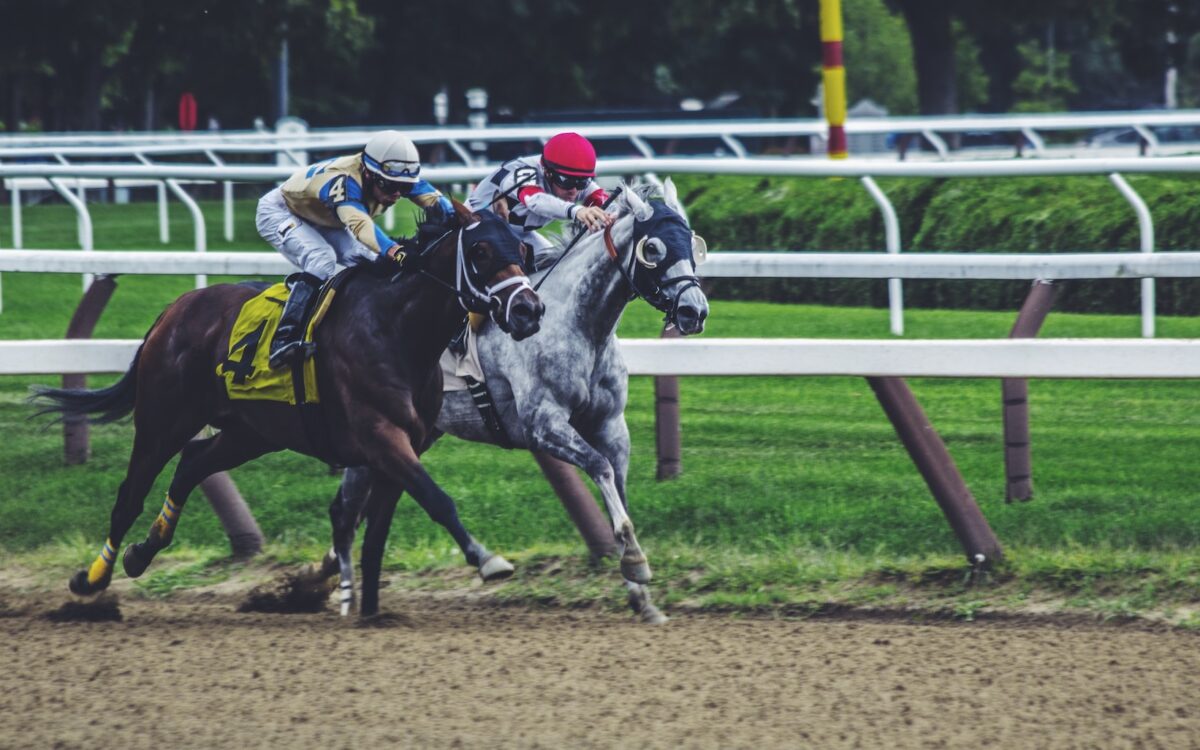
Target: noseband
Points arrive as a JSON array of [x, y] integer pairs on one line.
[[487, 298], [657, 296]]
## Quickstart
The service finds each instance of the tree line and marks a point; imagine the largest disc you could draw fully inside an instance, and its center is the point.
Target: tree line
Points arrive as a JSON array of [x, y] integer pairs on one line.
[[123, 64]]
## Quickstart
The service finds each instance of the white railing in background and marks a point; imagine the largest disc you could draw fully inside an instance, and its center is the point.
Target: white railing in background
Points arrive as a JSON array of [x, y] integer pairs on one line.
[[1001, 358], [723, 264], [1029, 128], [865, 170]]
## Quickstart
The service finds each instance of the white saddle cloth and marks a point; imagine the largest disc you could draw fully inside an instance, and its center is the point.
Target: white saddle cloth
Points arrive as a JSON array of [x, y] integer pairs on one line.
[[455, 368]]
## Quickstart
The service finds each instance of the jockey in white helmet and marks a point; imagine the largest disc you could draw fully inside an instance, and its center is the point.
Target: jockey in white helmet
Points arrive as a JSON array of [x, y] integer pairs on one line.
[[324, 215]]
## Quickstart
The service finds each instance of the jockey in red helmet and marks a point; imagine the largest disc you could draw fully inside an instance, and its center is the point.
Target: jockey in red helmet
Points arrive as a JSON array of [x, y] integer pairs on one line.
[[532, 191]]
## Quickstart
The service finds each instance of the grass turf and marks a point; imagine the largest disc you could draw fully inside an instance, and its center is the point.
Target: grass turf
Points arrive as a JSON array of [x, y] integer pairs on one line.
[[787, 482]]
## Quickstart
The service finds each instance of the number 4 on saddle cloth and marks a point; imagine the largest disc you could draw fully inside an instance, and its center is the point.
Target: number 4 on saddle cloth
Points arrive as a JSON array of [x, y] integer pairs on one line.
[[246, 372]]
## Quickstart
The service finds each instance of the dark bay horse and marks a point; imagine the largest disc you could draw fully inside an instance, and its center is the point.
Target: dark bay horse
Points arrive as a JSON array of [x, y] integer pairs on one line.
[[564, 392], [380, 387]]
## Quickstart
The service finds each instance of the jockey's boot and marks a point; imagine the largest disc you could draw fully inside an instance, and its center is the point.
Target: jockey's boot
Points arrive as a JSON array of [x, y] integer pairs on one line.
[[287, 346]]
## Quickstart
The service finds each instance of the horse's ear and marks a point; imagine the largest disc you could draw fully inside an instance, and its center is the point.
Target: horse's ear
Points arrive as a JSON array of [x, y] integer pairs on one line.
[[670, 194], [465, 216], [642, 211]]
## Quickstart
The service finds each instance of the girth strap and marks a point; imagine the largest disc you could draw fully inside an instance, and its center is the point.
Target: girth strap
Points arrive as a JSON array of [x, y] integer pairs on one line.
[[312, 415]]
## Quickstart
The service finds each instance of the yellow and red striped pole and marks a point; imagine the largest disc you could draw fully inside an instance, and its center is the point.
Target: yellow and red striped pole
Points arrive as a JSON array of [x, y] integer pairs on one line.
[[834, 75]]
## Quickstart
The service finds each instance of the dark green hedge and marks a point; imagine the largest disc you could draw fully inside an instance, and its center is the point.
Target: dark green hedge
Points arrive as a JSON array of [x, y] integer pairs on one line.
[[1011, 215]]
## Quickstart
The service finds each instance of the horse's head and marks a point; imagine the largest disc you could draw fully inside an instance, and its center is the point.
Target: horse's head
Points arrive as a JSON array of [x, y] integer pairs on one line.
[[490, 278], [662, 266]]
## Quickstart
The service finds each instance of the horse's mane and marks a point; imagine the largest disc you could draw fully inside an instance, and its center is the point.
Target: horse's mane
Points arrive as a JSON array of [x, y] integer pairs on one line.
[[428, 230]]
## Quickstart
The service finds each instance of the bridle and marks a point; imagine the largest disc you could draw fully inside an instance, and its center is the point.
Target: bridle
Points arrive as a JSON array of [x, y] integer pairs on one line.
[[657, 294], [470, 296]]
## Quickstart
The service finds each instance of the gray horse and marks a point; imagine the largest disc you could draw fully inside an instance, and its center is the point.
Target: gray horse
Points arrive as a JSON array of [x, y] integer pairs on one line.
[[563, 392]]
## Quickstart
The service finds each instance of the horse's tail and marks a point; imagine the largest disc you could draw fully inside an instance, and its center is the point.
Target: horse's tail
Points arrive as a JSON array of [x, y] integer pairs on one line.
[[98, 406]]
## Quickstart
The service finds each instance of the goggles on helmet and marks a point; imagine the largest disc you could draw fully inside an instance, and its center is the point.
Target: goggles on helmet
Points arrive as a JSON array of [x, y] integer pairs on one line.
[[394, 169], [566, 181]]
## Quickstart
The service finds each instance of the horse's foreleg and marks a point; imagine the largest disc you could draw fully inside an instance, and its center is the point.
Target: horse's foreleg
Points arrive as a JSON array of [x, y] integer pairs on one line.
[[639, 602], [553, 434], [403, 467], [612, 442], [441, 508], [201, 458], [491, 566]]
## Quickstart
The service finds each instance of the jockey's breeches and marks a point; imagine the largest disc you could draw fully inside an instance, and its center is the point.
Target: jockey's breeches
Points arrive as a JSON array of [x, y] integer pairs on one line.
[[315, 249]]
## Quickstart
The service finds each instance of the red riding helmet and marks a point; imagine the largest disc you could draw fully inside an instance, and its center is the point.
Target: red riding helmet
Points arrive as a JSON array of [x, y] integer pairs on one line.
[[570, 154]]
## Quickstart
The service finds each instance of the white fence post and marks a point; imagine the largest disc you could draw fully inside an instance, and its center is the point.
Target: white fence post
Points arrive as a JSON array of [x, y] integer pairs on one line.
[[891, 229], [1146, 225], [83, 219]]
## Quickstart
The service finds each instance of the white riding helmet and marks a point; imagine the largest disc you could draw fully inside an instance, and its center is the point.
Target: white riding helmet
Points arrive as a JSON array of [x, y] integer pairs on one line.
[[392, 156]]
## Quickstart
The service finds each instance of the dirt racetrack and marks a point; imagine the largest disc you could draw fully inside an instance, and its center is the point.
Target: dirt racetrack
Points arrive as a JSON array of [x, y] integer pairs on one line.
[[457, 672]]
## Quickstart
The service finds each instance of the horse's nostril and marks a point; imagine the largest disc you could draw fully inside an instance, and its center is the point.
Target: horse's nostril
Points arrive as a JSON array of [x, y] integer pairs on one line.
[[690, 319], [527, 312]]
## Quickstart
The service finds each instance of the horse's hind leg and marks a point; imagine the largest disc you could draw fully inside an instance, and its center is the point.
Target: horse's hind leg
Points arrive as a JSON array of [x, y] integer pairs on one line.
[[200, 459], [344, 514], [379, 521], [151, 452]]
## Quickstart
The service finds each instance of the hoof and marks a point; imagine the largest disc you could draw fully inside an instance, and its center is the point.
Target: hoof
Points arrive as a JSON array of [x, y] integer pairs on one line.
[[495, 568], [80, 585], [652, 615], [133, 562], [635, 568]]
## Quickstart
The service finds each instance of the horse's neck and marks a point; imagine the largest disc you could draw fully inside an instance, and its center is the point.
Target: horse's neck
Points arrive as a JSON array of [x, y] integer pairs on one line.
[[590, 285], [425, 307]]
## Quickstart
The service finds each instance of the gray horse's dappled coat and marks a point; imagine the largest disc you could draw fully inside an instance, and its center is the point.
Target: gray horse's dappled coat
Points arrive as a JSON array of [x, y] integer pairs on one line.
[[572, 370]]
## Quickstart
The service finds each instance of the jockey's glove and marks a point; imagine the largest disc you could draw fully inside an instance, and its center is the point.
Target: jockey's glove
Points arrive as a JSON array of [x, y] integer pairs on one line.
[[393, 254]]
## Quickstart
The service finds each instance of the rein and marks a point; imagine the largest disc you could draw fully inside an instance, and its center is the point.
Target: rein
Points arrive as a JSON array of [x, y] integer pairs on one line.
[[575, 240]]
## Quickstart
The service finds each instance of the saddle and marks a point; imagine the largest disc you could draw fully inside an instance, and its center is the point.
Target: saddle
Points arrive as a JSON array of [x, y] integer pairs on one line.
[[249, 377], [245, 370]]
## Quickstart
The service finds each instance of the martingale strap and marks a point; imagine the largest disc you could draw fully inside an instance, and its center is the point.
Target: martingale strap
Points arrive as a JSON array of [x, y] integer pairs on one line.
[[487, 410]]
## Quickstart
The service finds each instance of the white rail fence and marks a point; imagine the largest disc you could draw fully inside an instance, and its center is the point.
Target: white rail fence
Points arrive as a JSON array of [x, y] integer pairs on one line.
[[722, 264], [1005, 358], [1023, 358]]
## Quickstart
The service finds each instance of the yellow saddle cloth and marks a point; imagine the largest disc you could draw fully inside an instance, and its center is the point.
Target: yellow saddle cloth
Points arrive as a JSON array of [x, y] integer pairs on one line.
[[246, 372]]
